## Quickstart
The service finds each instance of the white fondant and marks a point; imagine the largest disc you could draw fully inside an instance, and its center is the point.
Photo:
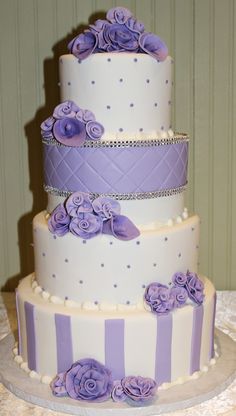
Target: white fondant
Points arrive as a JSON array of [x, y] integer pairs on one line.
[[88, 334], [182, 321], [98, 269], [206, 332], [129, 94], [156, 211], [56, 299], [138, 340], [45, 295], [71, 304], [46, 359]]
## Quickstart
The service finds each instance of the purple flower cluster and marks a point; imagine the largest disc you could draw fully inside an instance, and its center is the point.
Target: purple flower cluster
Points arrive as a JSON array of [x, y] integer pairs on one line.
[[121, 32], [90, 380], [71, 126], [163, 299], [86, 218], [134, 389]]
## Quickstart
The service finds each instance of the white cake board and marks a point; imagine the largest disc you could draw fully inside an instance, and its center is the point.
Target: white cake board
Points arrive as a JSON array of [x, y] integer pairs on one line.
[[177, 397]]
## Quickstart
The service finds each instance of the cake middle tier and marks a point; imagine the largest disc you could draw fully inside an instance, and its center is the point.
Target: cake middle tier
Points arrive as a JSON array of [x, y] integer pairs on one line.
[[104, 272]]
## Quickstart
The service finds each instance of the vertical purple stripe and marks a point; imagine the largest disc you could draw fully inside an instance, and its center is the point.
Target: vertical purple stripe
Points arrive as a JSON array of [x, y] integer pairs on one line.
[[163, 349], [30, 331], [212, 350], [196, 338], [64, 342], [18, 323], [114, 347]]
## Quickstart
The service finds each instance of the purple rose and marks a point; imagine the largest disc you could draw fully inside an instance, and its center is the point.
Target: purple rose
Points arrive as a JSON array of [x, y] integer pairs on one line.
[[98, 26], [77, 203], [180, 296], [120, 38], [118, 15], [86, 225], [135, 25], [58, 385], [87, 379], [59, 221], [83, 45], [46, 128], [153, 45], [65, 109], [85, 116], [159, 298], [118, 394], [94, 130], [69, 131], [105, 207], [136, 389], [179, 279], [120, 227], [195, 288]]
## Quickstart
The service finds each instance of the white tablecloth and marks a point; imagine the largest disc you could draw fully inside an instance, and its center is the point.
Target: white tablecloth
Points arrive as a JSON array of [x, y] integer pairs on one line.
[[222, 405]]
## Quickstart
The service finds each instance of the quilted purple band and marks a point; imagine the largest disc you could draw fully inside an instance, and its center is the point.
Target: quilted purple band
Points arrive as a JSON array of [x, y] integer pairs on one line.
[[115, 170]]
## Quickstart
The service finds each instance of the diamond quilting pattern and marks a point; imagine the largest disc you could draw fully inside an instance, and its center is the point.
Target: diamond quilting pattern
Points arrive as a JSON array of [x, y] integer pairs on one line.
[[116, 170]]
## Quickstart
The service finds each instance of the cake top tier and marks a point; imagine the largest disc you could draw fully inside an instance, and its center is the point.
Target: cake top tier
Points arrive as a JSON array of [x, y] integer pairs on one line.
[[119, 32]]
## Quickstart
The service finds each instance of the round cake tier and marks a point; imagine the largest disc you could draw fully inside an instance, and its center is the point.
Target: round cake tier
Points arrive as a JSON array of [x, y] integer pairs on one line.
[[170, 346], [130, 94], [104, 269]]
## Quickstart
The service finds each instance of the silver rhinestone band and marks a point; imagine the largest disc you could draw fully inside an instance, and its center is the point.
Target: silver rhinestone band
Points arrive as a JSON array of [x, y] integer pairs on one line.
[[177, 138], [121, 197]]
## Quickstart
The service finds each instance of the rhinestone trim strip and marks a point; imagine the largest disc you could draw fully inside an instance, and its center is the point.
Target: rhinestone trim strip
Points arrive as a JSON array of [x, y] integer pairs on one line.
[[177, 138], [122, 197]]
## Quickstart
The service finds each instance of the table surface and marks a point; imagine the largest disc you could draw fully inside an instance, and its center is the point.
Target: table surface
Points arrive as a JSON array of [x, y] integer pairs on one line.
[[222, 405]]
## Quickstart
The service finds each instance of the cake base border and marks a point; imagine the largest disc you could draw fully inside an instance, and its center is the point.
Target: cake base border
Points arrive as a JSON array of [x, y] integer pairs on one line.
[[178, 397]]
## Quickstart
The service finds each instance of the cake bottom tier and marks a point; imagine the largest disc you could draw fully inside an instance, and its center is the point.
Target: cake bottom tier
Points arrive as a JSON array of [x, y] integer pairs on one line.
[[135, 342]]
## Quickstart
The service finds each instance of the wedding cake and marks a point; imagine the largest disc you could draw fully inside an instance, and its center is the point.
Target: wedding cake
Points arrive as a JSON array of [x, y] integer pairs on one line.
[[116, 308]]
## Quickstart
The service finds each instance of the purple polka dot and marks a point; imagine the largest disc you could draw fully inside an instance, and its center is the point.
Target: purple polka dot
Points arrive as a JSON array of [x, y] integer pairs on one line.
[[166, 238], [96, 302], [147, 81], [131, 104], [121, 79], [111, 242], [93, 82], [128, 302], [115, 285], [120, 129], [128, 266], [81, 282], [169, 102], [162, 127], [79, 61], [170, 283], [53, 275], [197, 247], [68, 83], [66, 260], [193, 228], [155, 104], [143, 286], [170, 126], [102, 264], [179, 255], [167, 81], [84, 241], [108, 59], [154, 265], [55, 237], [108, 107], [43, 254], [141, 129], [137, 242], [66, 297], [135, 60]]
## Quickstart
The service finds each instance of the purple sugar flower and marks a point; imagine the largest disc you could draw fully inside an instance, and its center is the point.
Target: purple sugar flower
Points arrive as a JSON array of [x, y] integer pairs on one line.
[[136, 389], [195, 288], [77, 203], [106, 207], [59, 221], [83, 45], [65, 109], [134, 25], [153, 45], [179, 279], [86, 225], [120, 227], [85, 116], [120, 38], [46, 128], [180, 296], [94, 130], [159, 298], [87, 379], [118, 15], [118, 394], [69, 131]]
